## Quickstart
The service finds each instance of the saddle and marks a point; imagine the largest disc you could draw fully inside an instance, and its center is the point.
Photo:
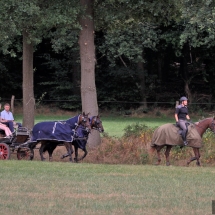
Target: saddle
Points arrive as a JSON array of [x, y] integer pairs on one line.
[[180, 130]]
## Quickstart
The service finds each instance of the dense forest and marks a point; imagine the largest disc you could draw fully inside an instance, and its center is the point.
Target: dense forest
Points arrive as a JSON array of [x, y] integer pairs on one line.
[[147, 53]]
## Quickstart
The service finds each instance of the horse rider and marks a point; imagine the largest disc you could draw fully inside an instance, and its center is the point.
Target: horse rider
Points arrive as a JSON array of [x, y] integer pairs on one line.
[[181, 117]]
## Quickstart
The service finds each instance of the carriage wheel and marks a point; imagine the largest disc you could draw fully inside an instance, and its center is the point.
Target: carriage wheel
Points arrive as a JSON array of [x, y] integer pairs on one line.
[[4, 151], [25, 154]]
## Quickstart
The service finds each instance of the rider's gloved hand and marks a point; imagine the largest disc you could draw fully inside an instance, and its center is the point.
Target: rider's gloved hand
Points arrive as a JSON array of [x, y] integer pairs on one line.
[[177, 124]]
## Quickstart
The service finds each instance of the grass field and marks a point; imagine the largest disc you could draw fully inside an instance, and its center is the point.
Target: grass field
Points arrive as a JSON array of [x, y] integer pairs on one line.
[[34, 187]]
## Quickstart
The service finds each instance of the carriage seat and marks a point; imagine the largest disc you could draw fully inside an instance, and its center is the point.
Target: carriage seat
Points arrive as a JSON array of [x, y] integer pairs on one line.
[[22, 135]]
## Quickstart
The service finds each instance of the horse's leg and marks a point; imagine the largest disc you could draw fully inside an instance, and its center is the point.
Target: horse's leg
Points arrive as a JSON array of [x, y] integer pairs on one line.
[[41, 151], [66, 155], [84, 155], [158, 148], [168, 148], [69, 151], [76, 153], [50, 151], [50, 154], [197, 156]]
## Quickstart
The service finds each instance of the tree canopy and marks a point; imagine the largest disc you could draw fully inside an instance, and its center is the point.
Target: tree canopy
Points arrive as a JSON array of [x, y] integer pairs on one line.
[[166, 46]]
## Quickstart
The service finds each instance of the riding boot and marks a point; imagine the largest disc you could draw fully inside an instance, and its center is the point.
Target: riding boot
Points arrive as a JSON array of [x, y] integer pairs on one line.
[[184, 137]]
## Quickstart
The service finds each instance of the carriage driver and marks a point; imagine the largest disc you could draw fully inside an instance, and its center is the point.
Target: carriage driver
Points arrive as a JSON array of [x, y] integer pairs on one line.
[[181, 117]]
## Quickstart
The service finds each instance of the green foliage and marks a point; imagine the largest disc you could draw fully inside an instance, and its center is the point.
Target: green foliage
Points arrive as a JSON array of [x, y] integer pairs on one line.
[[157, 33], [135, 130], [199, 18], [129, 42], [37, 18]]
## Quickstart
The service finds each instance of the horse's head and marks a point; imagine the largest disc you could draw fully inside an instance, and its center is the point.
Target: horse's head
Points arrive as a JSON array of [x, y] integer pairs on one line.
[[84, 121], [212, 125], [96, 123], [204, 124]]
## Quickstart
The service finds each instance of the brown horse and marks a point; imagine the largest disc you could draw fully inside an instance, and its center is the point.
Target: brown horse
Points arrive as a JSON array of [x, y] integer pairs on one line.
[[59, 132], [79, 142], [167, 135]]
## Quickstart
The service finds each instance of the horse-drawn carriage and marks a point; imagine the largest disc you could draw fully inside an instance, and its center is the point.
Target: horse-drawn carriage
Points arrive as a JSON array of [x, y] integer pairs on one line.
[[73, 131], [18, 144]]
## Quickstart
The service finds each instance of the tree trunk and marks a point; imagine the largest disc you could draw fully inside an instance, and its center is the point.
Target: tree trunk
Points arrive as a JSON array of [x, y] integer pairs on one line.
[[28, 86], [87, 56]]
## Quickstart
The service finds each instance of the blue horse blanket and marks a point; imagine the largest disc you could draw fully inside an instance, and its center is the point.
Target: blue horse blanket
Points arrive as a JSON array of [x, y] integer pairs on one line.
[[82, 136], [56, 130]]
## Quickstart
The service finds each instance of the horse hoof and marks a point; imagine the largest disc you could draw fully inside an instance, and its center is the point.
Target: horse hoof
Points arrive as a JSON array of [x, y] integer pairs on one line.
[[167, 163]]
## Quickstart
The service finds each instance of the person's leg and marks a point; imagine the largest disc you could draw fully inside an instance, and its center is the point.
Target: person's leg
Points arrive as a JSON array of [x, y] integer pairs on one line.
[[10, 125], [6, 129], [184, 130]]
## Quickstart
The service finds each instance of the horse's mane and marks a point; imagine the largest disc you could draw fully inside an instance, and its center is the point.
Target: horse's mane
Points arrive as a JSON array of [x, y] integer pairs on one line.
[[196, 123]]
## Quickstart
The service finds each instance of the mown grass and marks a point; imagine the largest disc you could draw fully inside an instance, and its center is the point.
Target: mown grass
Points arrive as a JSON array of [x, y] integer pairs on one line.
[[63, 188], [35, 187]]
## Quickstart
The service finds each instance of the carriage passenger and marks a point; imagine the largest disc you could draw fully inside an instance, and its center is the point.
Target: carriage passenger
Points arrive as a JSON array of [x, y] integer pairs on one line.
[[181, 117], [6, 130], [8, 119]]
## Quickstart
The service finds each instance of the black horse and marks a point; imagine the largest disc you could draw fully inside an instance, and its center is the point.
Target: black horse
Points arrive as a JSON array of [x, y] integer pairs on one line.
[[58, 132], [80, 140]]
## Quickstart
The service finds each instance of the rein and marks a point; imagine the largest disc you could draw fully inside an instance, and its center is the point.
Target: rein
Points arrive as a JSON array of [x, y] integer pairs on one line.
[[212, 126], [95, 127]]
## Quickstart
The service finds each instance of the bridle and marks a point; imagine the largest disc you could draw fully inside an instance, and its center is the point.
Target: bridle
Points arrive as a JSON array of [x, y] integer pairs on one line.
[[97, 123], [84, 119], [212, 126]]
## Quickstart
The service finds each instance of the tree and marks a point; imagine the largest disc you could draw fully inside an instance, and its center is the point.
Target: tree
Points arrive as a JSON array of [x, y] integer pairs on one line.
[[88, 60], [130, 28], [28, 89], [34, 20]]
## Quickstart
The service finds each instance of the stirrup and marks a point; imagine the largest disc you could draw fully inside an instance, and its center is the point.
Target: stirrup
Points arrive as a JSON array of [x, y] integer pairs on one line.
[[185, 143]]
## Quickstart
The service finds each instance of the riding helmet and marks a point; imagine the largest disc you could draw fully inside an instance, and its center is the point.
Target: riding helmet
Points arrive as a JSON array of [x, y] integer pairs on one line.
[[183, 98]]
